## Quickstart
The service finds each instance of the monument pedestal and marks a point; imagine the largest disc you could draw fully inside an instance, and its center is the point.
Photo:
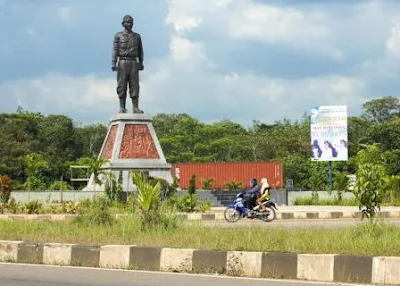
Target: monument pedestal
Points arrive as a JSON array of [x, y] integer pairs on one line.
[[131, 144]]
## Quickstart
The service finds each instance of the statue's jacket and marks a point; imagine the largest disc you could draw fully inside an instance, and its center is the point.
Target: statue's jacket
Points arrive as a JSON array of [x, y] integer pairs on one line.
[[128, 46]]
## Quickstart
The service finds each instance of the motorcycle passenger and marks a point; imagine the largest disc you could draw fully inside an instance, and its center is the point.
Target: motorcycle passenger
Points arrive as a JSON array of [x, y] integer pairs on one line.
[[264, 193]]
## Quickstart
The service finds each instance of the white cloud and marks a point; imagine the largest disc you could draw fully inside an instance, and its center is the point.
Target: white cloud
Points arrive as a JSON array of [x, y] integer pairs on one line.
[[188, 54], [64, 13], [282, 25], [60, 92], [247, 20], [393, 43], [241, 97], [182, 14]]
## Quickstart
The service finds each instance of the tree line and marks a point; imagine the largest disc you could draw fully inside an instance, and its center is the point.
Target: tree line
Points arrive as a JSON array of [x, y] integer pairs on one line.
[[38, 149]]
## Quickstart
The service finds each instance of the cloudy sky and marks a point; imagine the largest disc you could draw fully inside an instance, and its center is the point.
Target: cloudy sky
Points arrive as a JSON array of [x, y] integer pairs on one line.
[[242, 60]]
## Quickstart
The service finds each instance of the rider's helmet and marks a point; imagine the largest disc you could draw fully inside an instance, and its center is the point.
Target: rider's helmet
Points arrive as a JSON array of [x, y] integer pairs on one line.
[[253, 183]]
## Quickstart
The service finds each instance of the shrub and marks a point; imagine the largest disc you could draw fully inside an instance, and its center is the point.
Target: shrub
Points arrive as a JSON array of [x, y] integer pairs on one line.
[[33, 207], [5, 189], [94, 212], [233, 185], [207, 183], [58, 185], [113, 187], [186, 203], [152, 213], [204, 206]]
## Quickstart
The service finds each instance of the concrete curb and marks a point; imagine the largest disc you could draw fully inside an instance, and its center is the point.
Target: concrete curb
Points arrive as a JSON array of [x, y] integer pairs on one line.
[[312, 267], [216, 216]]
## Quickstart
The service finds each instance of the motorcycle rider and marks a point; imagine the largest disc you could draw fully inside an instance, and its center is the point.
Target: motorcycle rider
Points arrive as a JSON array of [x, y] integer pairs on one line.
[[253, 194], [264, 193]]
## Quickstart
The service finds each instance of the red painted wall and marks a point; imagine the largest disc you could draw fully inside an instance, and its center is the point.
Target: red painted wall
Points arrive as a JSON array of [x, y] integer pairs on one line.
[[226, 172]]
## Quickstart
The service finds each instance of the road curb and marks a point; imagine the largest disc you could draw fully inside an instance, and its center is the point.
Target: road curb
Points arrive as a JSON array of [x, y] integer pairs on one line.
[[312, 267], [215, 216]]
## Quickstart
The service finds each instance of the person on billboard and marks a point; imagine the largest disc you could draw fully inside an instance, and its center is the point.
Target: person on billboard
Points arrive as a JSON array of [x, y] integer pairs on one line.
[[342, 149], [316, 149], [328, 151]]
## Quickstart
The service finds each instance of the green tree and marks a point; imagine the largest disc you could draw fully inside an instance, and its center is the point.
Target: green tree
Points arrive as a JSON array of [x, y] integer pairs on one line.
[[381, 110], [18, 137], [370, 184], [90, 139], [58, 143], [192, 191], [36, 167], [318, 178], [340, 183]]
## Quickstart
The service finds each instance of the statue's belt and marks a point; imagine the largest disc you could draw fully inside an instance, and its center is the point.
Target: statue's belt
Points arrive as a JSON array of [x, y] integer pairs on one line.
[[127, 58]]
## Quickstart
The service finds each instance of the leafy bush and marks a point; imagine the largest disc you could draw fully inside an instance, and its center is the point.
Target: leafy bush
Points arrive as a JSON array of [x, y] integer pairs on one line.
[[14, 207], [113, 187], [5, 189], [233, 185], [58, 185], [70, 207], [153, 214], [94, 213], [186, 203], [204, 206], [166, 190], [207, 183], [33, 207]]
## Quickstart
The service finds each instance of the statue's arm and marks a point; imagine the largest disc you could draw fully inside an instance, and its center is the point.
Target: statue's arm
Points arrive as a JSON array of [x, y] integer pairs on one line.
[[140, 51], [115, 51]]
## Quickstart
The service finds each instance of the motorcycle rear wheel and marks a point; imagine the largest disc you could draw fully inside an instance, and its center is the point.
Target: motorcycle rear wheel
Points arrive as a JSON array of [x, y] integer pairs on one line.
[[270, 217], [232, 215]]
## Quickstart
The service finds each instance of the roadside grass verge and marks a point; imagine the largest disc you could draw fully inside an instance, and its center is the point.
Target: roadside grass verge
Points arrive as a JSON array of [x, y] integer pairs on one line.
[[366, 239], [325, 202]]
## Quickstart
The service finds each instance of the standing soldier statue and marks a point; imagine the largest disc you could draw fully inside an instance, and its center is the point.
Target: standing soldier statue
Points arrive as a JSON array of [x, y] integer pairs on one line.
[[128, 50]]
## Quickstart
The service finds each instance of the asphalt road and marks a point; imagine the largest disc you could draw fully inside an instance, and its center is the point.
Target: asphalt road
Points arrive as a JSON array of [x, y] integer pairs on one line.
[[39, 275], [294, 223]]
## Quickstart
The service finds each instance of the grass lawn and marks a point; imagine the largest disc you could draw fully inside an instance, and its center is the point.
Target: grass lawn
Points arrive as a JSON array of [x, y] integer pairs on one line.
[[368, 239]]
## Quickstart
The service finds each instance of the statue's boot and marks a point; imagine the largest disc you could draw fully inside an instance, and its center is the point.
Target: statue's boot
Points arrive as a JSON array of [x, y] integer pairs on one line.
[[122, 108], [135, 102]]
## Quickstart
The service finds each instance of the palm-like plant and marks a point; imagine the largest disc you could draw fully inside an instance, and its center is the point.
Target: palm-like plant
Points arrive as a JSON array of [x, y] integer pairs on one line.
[[95, 169], [148, 196]]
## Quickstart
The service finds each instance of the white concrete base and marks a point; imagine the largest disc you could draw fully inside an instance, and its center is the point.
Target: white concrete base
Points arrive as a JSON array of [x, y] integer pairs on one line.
[[317, 267], [241, 263], [115, 256], [9, 250], [57, 253], [176, 260]]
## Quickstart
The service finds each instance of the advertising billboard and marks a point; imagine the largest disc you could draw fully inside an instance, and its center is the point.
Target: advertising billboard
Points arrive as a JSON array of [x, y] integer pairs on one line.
[[329, 133]]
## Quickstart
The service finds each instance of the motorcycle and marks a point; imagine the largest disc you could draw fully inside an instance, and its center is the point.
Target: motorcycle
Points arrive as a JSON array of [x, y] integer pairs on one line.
[[238, 210]]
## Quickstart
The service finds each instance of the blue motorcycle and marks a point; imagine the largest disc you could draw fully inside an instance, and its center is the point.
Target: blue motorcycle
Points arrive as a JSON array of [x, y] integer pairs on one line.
[[238, 209]]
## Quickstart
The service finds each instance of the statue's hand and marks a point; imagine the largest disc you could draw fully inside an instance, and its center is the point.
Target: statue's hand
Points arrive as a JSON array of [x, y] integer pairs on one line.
[[114, 69], [141, 66]]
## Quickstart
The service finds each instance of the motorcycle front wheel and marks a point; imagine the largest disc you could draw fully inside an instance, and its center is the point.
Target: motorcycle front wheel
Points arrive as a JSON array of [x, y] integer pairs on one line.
[[232, 215], [269, 215]]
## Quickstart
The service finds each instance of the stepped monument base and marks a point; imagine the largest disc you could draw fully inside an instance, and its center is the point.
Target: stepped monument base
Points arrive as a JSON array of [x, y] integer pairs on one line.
[[131, 144]]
